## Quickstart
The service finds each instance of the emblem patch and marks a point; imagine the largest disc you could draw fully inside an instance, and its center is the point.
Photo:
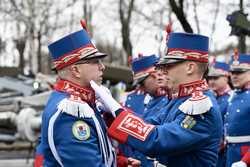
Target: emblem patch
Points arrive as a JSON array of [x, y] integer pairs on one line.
[[81, 130], [135, 126], [188, 122]]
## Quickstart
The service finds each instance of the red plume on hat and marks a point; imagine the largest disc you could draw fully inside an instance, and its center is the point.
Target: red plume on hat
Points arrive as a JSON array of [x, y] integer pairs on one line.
[[236, 57], [84, 26], [236, 54], [168, 29]]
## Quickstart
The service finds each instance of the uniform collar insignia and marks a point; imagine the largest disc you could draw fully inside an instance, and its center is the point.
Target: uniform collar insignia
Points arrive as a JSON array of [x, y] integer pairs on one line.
[[189, 88], [77, 93]]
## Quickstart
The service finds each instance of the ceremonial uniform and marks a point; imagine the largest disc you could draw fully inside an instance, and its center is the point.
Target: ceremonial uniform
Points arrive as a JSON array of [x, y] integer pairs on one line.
[[153, 107], [189, 133], [218, 80], [237, 126], [142, 102], [73, 129], [179, 137], [237, 117], [138, 99], [73, 132]]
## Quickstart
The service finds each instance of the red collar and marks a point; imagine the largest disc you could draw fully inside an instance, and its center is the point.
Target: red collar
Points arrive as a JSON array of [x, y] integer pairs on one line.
[[189, 88], [77, 93]]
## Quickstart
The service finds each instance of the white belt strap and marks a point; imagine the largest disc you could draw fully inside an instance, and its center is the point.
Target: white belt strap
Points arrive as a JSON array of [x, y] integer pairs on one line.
[[51, 137], [237, 139], [101, 139]]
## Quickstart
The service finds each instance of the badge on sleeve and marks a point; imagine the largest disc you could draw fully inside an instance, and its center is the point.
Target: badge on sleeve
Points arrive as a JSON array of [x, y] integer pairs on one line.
[[81, 130], [188, 122]]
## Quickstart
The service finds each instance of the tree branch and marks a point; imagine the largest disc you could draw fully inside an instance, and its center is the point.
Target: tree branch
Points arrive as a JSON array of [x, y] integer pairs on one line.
[[180, 15]]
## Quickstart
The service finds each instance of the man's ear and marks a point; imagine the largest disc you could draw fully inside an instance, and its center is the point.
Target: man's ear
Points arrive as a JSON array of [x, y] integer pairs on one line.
[[190, 67], [75, 71]]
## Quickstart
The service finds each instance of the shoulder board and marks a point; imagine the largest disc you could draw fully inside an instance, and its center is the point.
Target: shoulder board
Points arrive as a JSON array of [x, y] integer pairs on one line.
[[75, 108], [197, 104]]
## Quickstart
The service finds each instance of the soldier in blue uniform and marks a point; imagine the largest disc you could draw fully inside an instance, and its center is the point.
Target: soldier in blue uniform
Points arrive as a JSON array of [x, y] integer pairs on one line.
[[147, 99], [189, 134], [148, 84], [73, 133], [237, 117], [218, 81]]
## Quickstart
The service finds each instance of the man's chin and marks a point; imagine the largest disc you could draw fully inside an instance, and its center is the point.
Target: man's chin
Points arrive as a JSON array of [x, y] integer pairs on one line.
[[98, 81]]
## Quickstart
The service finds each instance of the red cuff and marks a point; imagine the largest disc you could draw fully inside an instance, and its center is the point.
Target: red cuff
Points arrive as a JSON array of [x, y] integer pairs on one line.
[[38, 162], [114, 132], [129, 124], [246, 158]]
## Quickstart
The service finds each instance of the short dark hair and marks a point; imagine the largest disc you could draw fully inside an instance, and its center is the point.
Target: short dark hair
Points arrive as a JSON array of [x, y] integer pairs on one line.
[[203, 69]]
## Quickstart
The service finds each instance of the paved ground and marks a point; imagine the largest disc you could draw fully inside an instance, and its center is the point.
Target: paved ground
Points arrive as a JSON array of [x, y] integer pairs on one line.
[[16, 163], [18, 154]]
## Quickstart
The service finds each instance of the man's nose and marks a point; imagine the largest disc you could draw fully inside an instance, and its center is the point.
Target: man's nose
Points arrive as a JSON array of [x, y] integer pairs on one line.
[[101, 66]]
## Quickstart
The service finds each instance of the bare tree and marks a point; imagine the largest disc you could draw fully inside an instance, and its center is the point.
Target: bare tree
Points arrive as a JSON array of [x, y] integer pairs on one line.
[[87, 14], [33, 18], [179, 12], [215, 17], [196, 16], [125, 12]]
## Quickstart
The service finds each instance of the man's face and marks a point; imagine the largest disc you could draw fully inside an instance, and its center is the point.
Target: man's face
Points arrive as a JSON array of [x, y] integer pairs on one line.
[[217, 83], [239, 79], [154, 81], [91, 70], [174, 74]]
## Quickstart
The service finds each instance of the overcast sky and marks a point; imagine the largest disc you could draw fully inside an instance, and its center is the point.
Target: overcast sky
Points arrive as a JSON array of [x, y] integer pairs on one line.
[[146, 43], [146, 38]]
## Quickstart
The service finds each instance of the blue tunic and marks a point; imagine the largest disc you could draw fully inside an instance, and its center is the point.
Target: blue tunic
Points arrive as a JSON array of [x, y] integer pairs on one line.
[[178, 139], [154, 108], [72, 151], [145, 108], [223, 103], [237, 123], [135, 102]]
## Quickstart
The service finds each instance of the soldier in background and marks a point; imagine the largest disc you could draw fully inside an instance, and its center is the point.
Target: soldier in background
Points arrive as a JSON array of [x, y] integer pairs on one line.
[[237, 118], [149, 85], [218, 81], [148, 98]]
